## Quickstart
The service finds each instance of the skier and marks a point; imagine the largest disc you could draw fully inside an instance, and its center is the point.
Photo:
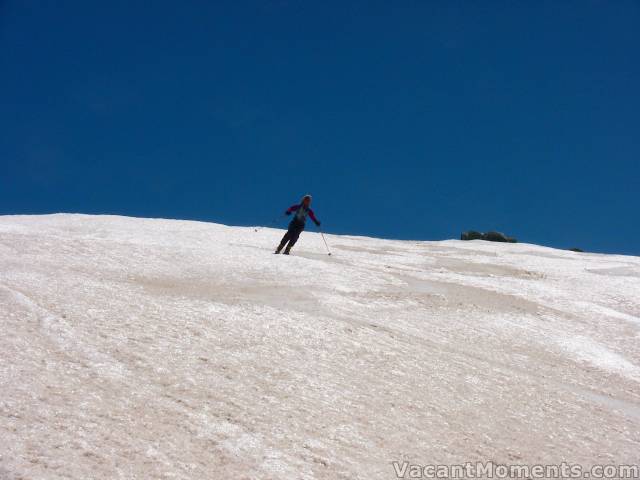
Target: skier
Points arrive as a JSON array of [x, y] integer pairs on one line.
[[296, 226]]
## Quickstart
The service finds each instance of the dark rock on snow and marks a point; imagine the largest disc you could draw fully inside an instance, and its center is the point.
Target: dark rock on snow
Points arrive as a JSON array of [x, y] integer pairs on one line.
[[489, 236], [471, 235]]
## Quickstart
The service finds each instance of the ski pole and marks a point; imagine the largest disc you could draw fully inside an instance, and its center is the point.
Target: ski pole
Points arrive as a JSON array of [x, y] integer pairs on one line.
[[325, 241]]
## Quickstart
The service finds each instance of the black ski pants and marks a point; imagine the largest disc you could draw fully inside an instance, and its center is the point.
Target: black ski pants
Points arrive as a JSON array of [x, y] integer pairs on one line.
[[294, 231]]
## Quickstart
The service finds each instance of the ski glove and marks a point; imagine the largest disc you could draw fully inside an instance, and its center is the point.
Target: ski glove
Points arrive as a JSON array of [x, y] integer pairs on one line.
[[318, 224], [287, 213]]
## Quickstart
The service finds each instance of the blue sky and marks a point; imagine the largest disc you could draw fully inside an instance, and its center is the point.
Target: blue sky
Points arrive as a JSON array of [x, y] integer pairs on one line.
[[404, 119]]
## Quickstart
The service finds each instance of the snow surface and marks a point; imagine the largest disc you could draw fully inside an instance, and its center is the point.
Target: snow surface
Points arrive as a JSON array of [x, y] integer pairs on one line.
[[139, 348]]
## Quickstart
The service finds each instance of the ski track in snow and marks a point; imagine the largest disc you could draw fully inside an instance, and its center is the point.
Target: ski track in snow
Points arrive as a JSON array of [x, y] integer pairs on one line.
[[142, 348]]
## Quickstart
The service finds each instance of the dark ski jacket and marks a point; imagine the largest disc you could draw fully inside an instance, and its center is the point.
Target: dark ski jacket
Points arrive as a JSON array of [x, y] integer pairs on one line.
[[301, 213]]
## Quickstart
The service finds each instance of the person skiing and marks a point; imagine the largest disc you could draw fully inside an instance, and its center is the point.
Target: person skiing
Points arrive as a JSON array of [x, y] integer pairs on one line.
[[296, 226]]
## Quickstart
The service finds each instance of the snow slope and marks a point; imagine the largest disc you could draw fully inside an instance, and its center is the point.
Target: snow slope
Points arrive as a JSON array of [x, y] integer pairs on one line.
[[138, 348]]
